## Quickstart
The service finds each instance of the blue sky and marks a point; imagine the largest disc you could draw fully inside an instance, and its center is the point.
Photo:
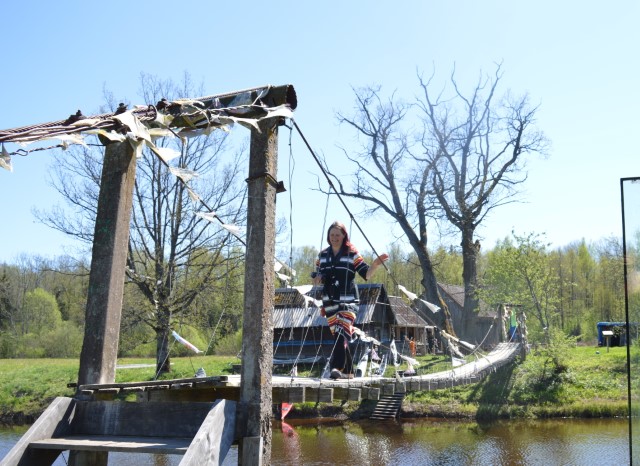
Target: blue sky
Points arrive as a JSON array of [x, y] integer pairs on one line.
[[579, 60]]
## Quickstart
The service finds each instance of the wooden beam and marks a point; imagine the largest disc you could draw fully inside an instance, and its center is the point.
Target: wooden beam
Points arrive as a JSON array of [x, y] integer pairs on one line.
[[254, 408], [91, 444], [250, 102], [214, 438], [388, 389], [319, 394], [150, 383], [413, 384], [371, 393], [289, 395], [427, 385], [108, 263], [53, 421], [354, 394], [341, 393]]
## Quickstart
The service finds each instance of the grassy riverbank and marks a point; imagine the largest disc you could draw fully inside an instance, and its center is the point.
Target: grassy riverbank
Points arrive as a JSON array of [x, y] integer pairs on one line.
[[577, 382], [580, 382], [583, 382]]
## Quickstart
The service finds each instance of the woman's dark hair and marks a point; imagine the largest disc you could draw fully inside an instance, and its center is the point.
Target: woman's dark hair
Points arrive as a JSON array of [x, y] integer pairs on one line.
[[346, 244]]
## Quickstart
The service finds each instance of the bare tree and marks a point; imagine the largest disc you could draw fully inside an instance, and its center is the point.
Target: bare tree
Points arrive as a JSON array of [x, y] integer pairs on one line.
[[476, 147], [173, 254], [385, 181]]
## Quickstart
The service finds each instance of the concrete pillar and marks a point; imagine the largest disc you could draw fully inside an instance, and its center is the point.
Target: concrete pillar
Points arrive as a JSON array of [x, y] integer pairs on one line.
[[108, 262], [253, 416]]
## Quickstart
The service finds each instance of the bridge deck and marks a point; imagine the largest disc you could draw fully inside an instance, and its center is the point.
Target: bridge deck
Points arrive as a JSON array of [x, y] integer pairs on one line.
[[300, 389]]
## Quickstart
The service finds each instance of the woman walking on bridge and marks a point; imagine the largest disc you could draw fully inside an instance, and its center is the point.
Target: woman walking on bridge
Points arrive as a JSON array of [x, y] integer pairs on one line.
[[336, 268]]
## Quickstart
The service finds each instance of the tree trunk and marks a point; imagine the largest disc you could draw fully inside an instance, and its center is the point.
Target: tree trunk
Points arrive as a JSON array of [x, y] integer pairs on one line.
[[442, 318], [163, 361], [470, 251]]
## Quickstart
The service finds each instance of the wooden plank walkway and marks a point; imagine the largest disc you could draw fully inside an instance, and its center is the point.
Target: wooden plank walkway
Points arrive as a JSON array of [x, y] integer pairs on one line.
[[308, 389]]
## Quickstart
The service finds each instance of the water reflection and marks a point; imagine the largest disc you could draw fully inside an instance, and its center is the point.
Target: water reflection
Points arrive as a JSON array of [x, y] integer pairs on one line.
[[582, 442], [561, 442]]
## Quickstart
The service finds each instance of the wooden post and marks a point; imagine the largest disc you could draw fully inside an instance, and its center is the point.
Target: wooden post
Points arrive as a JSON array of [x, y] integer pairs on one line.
[[106, 278], [108, 262], [253, 418], [501, 324]]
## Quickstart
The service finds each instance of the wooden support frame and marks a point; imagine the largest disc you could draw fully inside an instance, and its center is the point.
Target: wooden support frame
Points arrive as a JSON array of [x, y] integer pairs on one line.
[[203, 432], [49, 424]]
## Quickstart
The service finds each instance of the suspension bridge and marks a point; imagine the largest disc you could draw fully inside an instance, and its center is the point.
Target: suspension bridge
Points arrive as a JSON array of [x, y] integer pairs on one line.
[[198, 417], [291, 389]]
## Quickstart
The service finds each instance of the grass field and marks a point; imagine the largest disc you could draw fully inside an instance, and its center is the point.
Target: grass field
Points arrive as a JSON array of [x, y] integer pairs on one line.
[[27, 386], [591, 382]]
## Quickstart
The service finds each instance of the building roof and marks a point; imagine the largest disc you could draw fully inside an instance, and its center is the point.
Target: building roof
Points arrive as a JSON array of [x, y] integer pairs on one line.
[[455, 293], [290, 310], [404, 315]]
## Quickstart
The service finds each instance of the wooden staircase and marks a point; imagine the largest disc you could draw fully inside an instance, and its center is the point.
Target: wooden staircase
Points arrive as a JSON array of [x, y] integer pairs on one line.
[[388, 407], [201, 431]]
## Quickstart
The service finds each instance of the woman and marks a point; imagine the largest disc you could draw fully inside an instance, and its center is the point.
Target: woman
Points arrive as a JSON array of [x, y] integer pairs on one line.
[[336, 268]]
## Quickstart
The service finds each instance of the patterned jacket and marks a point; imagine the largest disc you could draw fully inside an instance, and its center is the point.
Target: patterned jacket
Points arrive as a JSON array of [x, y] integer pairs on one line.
[[338, 274]]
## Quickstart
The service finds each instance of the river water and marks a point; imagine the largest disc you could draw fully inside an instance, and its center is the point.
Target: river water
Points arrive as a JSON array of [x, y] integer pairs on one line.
[[579, 442]]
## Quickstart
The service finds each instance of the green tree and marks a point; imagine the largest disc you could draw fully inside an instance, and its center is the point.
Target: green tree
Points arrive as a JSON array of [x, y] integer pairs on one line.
[[448, 265], [8, 309], [521, 273], [608, 295], [39, 312], [303, 259], [62, 341]]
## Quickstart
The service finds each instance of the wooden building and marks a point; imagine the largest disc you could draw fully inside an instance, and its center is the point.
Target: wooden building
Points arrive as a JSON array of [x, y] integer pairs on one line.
[[409, 325], [482, 329], [301, 332]]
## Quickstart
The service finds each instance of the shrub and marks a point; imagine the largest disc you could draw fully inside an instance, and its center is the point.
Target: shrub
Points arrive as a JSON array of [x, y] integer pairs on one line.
[[230, 345], [64, 341], [29, 346]]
